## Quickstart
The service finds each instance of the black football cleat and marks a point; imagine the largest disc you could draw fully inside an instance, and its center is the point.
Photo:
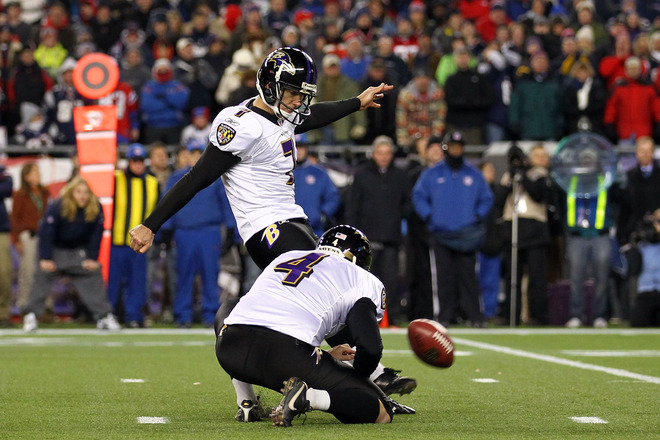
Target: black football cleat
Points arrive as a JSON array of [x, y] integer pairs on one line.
[[294, 402], [398, 408], [391, 382]]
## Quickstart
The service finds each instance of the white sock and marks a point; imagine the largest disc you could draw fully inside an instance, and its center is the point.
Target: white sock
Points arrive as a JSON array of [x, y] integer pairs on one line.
[[318, 399], [380, 369], [244, 391]]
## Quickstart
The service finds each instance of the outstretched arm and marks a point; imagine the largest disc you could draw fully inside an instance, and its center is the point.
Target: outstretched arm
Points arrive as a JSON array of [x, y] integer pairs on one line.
[[208, 169], [325, 113]]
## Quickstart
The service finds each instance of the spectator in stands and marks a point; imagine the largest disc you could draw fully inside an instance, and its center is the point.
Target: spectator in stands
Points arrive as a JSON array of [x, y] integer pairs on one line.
[[247, 90], [315, 191], [427, 57], [453, 199], [27, 83], [586, 17], [381, 18], [377, 202], [198, 242], [16, 23], [633, 109], [420, 109], [584, 99], [251, 27], [418, 260], [473, 9], [291, 36], [31, 130], [278, 16], [444, 36], [447, 65], [535, 111], [105, 28], [128, 119], [469, 95], [28, 206], [404, 42], [163, 101], [487, 25], [646, 304], [495, 65], [132, 69], [356, 62], [334, 86], [199, 32], [159, 164], [380, 121], [612, 67], [141, 12], [50, 53], [136, 194], [524, 187], [57, 17], [10, 47], [195, 73], [59, 103], [158, 31], [175, 24], [199, 129], [394, 64], [514, 48], [69, 242], [132, 37], [242, 61], [6, 185], [363, 29]]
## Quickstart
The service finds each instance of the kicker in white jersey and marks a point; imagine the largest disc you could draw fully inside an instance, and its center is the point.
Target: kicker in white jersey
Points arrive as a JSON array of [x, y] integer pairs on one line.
[[260, 187]]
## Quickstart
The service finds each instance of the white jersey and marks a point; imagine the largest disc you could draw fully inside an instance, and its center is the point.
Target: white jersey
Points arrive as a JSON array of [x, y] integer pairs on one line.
[[260, 187], [307, 295]]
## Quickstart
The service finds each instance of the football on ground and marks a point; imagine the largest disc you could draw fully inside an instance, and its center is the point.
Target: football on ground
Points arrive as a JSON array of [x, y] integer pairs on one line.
[[430, 342]]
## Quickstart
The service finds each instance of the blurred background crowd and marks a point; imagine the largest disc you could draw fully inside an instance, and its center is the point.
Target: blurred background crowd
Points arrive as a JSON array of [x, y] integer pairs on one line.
[[467, 73]]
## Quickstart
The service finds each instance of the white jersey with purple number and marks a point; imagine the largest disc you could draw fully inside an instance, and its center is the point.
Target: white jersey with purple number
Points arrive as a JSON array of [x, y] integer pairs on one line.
[[307, 295], [260, 187]]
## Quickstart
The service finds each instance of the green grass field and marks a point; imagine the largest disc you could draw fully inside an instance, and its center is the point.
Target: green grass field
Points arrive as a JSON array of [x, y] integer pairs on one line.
[[67, 384]]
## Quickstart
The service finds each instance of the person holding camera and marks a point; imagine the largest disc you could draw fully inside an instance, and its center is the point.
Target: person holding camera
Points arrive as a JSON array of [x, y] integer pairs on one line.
[[646, 304], [524, 188]]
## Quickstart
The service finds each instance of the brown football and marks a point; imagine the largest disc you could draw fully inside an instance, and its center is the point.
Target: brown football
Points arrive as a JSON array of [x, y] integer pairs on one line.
[[430, 342]]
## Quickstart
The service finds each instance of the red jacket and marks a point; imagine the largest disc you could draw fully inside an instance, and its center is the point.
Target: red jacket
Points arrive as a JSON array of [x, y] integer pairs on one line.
[[633, 108], [612, 68], [473, 9]]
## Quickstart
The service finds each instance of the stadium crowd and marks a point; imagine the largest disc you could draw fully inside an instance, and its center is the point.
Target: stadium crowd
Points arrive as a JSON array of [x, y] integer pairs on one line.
[[471, 71]]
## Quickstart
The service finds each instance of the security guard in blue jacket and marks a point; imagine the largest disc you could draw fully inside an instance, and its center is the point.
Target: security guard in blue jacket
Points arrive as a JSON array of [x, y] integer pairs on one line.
[[136, 194], [197, 237], [315, 191], [453, 199]]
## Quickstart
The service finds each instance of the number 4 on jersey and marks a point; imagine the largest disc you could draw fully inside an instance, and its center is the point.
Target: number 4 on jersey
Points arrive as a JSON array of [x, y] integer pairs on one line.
[[299, 268]]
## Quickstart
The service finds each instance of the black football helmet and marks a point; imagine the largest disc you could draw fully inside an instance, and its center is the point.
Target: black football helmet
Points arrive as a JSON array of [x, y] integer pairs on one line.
[[291, 69], [349, 242]]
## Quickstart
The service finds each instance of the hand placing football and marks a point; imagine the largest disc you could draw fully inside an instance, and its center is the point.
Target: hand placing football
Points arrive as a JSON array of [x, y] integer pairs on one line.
[[430, 342]]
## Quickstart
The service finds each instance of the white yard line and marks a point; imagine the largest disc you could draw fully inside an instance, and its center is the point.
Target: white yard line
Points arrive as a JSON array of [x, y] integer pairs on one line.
[[613, 353], [556, 360]]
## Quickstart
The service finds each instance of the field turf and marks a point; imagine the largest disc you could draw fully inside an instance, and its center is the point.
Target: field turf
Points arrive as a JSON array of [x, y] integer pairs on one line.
[[62, 383]]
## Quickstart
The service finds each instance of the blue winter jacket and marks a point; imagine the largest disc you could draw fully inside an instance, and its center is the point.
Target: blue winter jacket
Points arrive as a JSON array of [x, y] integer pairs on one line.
[[162, 105], [450, 200], [6, 185], [316, 193]]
